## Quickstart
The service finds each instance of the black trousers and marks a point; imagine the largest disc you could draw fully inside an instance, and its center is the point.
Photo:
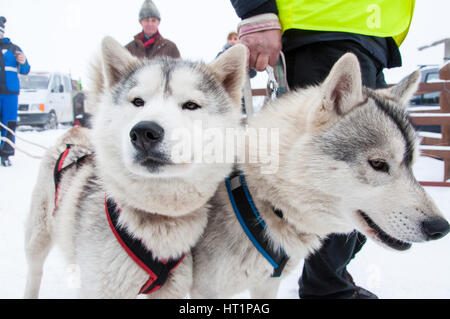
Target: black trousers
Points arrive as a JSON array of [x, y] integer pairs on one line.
[[324, 273]]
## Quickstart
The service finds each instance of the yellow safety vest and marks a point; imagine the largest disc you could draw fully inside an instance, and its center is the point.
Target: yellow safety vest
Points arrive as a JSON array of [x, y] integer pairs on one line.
[[381, 18]]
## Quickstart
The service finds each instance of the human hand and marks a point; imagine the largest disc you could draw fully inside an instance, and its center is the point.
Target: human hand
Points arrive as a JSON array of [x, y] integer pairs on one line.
[[263, 48], [20, 57]]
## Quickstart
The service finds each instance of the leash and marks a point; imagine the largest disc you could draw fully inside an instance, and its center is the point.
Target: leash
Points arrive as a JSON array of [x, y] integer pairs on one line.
[[238, 193], [7, 140], [13, 145], [272, 83], [20, 138], [248, 97], [277, 81], [276, 84]]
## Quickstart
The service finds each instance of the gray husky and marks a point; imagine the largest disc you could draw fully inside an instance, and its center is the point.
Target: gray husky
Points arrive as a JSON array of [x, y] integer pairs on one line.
[[117, 199], [345, 157]]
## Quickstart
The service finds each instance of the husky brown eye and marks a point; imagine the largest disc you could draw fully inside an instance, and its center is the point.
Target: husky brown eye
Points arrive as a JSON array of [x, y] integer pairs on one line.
[[190, 106], [138, 102], [379, 165]]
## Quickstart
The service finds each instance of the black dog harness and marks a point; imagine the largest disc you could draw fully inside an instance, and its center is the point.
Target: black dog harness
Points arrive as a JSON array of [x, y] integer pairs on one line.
[[252, 223], [62, 165], [158, 270]]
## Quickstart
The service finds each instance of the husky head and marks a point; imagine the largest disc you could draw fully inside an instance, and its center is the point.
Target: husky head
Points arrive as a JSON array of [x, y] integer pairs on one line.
[[346, 155], [154, 120]]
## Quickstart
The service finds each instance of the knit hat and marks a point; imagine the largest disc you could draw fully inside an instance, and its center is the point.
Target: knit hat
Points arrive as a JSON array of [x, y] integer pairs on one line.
[[149, 10], [2, 25]]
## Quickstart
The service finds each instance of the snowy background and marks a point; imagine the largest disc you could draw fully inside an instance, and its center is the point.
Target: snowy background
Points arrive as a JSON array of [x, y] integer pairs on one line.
[[63, 35], [421, 272]]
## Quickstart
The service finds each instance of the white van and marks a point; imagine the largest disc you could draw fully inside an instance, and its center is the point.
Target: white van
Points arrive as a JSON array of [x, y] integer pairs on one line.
[[45, 99]]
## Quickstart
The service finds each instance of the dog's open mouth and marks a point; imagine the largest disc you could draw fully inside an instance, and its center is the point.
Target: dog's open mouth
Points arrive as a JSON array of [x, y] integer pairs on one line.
[[382, 236]]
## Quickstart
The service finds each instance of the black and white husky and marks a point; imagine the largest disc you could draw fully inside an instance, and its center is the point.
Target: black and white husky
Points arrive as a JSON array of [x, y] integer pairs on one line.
[[345, 158], [128, 209]]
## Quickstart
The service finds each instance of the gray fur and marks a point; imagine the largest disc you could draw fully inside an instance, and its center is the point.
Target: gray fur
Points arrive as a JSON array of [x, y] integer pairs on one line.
[[325, 183]]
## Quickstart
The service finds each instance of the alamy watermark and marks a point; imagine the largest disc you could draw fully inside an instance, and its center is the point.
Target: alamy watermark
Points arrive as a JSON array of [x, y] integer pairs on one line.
[[374, 19], [227, 145]]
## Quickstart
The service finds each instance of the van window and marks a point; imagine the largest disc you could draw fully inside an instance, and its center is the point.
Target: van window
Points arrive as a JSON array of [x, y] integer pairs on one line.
[[67, 84], [34, 82], [57, 84]]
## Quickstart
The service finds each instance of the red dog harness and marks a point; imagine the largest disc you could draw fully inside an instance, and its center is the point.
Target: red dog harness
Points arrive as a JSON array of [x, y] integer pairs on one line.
[[61, 166], [158, 270]]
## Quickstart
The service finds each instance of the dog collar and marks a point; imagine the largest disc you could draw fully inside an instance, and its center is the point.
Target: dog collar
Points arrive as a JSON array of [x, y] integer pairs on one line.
[[252, 223], [158, 270]]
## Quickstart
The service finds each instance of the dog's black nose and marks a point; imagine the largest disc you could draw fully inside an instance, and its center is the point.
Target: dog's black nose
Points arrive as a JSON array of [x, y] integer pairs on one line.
[[435, 228], [145, 135]]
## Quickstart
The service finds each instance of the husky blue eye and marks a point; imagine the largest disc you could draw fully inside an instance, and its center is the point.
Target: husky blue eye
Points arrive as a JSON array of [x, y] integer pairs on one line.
[[138, 102], [379, 165], [190, 106]]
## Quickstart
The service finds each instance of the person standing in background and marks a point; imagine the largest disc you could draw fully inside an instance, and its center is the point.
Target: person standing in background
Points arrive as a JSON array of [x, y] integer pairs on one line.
[[12, 62], [149, 43], [232, 39]]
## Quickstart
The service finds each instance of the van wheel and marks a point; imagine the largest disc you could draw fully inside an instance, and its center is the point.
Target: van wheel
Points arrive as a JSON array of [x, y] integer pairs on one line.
[[52, 122]]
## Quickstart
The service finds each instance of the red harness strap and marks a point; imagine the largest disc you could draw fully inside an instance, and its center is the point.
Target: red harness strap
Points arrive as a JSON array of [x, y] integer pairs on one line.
[[59, 169], [57, 173], [158, 270]]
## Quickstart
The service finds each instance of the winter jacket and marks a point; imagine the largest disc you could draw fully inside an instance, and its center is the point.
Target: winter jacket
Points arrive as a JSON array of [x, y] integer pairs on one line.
[[9, 68], [247, 8], [162, 47], [379, 18], [309, 21]]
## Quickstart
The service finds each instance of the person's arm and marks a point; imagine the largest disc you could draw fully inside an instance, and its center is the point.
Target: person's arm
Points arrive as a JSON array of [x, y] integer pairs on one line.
[[24, 67], [260, 31], [249, 8]]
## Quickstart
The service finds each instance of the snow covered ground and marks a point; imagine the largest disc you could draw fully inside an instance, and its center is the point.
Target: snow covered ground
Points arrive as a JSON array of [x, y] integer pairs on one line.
[[421, 272]]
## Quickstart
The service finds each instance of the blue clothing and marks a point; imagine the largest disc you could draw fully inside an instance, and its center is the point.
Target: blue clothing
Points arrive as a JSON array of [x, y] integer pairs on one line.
[[8, 116], [10, 68], [9, 91]]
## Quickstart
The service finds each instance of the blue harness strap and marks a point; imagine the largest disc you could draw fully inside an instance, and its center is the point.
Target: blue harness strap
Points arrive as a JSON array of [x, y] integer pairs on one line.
[[252, 223]]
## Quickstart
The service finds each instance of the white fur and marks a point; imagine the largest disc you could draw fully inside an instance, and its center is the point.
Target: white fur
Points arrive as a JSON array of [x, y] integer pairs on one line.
[[167, 209]]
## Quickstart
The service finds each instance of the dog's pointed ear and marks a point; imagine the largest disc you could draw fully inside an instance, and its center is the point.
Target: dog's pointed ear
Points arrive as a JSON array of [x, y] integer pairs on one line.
[[229, 69], [116, 59], [343, 86], [404, 91]]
